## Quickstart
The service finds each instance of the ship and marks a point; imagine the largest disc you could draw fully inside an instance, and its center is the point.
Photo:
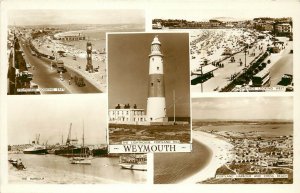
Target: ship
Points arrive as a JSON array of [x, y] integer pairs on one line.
[[36, 148], [102, 151], [134, 162], [83, 157], [71, 147]]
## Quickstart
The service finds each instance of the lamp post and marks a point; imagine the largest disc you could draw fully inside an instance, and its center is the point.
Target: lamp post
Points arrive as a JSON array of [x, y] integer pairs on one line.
[[201, 66], [246, 46]]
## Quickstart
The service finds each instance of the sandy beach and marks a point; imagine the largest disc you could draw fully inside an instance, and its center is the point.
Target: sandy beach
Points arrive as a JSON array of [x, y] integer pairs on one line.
[[221, 154]]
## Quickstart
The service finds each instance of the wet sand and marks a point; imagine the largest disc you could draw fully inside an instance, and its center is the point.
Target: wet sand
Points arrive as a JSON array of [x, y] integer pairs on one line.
[[220, 155]]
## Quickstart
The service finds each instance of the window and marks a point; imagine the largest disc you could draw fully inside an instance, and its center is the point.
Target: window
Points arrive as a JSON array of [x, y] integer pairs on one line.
[[158, 80], [157, 68], [151, 83]]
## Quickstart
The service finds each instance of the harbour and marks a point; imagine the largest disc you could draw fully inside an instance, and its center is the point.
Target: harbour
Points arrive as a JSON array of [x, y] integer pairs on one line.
[[48, 168]]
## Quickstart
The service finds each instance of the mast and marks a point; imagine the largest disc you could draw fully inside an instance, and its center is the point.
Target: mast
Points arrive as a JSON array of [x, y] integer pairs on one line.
[[69, 135], [83, 139], [174, 105], [83, 135]]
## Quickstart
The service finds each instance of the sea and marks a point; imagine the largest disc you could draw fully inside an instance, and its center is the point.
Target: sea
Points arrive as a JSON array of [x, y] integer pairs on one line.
[[97, 35], [53, 169], [269, 129], [175, 167]]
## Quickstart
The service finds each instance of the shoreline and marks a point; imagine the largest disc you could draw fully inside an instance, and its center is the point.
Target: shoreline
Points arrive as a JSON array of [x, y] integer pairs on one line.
[[186, 165], [220, 155], [51, 169]]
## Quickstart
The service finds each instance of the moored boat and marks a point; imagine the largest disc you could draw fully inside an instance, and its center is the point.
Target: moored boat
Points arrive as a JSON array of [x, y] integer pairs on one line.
[[134, 162], [36, 148], [142, 167], [71, 148], [81, 160], [83, 157]]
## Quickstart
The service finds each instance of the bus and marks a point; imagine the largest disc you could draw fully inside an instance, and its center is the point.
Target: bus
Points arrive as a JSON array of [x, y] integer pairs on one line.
[[262, 78], [60, 66]]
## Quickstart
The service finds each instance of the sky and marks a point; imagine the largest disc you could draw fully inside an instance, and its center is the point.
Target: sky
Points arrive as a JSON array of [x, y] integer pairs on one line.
[[221, 9], [128, 70], [243, 108], [50, 116], [56, 17]]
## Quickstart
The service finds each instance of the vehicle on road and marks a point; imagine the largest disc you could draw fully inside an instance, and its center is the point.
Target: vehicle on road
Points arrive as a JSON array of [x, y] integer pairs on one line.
[[79, 81], [33, 53], [25, 75], [286, 79], [262, 78], [289, 88], [35, 87], [60, 66], [28, 65]]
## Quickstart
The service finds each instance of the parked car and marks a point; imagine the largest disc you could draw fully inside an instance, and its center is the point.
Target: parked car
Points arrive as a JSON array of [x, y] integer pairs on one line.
[[25, 75]]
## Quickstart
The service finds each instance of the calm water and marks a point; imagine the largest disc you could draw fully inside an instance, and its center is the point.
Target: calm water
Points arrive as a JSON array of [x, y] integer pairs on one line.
[[55, 167], [174, 167], [98, 35], [268, 129]]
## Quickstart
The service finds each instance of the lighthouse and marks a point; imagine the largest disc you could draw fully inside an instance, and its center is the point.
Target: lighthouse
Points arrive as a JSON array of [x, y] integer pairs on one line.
[[156, 102]]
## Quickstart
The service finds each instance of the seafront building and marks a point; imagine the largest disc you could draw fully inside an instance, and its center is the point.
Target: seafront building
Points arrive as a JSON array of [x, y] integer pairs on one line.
[[127, 115], [69, 37]]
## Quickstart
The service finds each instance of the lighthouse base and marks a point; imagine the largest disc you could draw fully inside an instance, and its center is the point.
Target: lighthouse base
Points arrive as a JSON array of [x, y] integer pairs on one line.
[[156, 109]]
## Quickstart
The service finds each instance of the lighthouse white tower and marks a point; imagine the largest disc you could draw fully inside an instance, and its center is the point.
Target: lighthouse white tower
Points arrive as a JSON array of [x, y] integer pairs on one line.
[[156, 102]]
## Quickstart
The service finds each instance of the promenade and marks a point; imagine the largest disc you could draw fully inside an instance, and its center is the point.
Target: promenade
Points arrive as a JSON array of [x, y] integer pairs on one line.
[[47, 46], [209, 46]]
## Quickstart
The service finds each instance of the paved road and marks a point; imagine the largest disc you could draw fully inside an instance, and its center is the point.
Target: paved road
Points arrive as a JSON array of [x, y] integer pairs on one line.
[[283, 66], [46, 77]]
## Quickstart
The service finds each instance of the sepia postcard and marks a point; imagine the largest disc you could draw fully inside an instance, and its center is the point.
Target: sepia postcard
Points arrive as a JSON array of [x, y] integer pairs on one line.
[[234, 54], [62, 51], [244, 141], [149, 96], [65, 143]]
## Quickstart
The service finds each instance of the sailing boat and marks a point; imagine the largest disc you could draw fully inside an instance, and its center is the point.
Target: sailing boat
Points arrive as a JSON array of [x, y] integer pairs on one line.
[[83, 158]]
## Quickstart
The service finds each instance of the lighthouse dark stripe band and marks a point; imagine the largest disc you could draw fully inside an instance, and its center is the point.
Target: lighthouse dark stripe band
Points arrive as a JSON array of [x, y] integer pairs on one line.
[[156, 85]]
